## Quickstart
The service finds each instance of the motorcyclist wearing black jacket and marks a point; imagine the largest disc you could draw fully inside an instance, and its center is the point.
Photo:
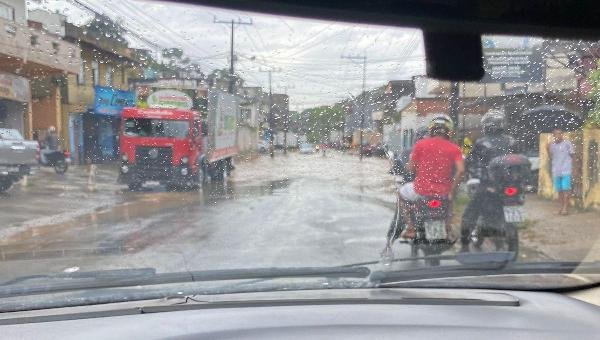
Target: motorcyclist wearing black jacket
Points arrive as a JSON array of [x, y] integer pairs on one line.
[[495, 142]]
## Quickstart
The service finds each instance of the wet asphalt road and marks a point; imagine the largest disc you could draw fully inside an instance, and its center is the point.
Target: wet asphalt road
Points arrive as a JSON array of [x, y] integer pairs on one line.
[[294, 210]]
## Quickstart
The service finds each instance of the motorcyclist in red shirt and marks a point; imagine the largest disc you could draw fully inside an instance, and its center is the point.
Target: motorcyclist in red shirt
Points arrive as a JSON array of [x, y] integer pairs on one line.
[[438, 166]]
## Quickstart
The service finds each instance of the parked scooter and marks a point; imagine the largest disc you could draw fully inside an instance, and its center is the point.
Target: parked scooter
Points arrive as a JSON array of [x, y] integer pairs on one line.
[[58, 159], [502, 204]]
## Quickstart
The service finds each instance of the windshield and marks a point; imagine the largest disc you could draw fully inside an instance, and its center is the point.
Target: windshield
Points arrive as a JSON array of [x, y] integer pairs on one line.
[[316, 144], [145, 127]]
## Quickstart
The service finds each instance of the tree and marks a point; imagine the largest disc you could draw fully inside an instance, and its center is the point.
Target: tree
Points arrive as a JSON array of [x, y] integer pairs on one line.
[[174, 55], [220, 77], [593, 118], [322, 120]]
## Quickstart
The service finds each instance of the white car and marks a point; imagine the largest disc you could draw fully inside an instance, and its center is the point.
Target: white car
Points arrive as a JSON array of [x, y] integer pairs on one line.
[[307, 148], [262, 146]]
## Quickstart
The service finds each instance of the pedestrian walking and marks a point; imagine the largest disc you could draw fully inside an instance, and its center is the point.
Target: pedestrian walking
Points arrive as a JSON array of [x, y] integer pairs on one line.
[[560, 152]]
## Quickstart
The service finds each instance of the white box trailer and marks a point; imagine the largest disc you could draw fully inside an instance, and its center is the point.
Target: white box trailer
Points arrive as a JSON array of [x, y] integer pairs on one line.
[[223, 110], [221, 136]]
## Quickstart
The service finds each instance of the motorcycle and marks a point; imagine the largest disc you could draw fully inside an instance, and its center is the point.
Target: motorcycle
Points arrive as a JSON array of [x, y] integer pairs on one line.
[[501, 204], [429, 216], [58, 159]]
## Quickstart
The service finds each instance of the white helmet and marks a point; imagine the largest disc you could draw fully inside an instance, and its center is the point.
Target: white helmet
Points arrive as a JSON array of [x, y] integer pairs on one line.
[[441, 123]]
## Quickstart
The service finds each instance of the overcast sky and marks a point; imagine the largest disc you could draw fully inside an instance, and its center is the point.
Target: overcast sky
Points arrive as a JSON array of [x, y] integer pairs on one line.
[[306, 54]]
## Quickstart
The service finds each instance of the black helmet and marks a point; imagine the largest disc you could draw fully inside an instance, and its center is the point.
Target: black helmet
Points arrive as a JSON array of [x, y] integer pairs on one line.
[[492, 122], [440, 124]]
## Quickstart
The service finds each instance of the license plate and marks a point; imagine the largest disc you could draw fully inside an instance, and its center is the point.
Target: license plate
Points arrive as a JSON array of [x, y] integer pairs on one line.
[[435, 230], [514, 214]]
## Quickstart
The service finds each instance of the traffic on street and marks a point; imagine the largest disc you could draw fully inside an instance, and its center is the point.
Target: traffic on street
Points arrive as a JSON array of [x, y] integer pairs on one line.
[[151, 150]]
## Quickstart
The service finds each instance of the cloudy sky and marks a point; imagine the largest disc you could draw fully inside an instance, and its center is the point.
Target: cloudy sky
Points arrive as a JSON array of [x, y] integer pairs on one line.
[[304, 54]]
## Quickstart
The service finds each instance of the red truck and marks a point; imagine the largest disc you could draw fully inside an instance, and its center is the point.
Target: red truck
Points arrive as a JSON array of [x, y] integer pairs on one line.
[[163, 145], [175, 146]]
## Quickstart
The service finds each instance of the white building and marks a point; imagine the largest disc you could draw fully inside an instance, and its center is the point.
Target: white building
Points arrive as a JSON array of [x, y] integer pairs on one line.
[[52, 22]]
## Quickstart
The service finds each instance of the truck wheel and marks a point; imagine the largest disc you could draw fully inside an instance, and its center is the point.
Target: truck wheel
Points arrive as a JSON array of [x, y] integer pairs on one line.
[[5, 184], [432, 250], [198, 180], [217, 171]]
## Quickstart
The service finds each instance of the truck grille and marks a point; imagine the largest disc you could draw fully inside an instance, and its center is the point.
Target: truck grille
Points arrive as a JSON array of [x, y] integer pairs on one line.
[[153, 160]]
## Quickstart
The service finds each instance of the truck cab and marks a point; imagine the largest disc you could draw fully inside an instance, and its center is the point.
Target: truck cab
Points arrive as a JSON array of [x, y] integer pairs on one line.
[[159, 144]]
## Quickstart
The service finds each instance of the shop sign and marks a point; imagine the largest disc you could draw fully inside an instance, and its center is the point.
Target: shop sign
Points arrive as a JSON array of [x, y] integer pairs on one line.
[[169, 99], [109, 101]]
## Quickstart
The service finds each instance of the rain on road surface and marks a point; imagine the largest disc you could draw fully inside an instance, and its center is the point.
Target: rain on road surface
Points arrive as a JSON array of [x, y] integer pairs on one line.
[[294, 210]]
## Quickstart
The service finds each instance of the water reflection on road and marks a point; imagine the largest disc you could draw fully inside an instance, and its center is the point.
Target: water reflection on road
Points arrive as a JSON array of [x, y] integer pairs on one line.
[[293, 211]]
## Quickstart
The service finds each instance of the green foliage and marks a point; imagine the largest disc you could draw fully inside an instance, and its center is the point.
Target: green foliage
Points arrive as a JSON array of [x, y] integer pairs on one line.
[[222, 75], [322, 120], [593, 118], [172, 53]]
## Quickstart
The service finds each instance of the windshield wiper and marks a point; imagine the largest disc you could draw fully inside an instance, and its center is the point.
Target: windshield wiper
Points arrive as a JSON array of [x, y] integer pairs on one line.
[[496, 258], [97, 274], [147, 276], [389, 277]]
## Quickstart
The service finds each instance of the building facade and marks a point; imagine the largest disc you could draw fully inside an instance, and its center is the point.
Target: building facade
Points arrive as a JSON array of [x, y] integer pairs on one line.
[[33, 61], [94, 95]]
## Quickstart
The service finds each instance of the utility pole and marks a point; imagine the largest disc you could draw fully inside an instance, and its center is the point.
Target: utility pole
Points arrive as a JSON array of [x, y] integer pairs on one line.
[[232, 56], [286, 119], [364, 95], [271, 122], [453, 109]]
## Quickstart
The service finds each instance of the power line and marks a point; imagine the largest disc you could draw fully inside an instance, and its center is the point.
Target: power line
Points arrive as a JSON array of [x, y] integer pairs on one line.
[[254, 46], [231, 63], [90, 9], [271, 122], [155, 22], [362, 113], [149, 21]]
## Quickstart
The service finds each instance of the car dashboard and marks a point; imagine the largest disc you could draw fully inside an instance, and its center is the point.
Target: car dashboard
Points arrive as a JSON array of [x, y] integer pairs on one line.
[[324, 314]]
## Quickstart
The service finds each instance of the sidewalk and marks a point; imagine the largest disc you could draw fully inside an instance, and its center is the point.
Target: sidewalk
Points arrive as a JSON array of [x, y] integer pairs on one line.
[[575, 237], [47, 197]]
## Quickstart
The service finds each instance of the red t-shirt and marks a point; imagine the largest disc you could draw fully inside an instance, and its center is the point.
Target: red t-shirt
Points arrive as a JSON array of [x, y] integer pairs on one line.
[[434, 159]]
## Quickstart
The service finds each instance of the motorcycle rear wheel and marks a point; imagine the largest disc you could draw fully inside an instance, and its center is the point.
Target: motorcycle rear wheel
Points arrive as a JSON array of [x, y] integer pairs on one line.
[[486, 240], [431, 250], [60, 167]]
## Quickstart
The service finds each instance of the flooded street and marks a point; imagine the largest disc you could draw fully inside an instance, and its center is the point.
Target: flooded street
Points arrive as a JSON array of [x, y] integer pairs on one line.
[[268, 213], [293, 210]]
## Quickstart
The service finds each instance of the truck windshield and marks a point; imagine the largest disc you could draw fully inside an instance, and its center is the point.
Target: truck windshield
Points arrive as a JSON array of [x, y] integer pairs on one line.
[[146, 127]]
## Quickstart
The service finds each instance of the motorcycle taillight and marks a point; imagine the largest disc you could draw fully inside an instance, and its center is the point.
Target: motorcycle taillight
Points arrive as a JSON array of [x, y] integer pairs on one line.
[[434, 204], [510, 191]]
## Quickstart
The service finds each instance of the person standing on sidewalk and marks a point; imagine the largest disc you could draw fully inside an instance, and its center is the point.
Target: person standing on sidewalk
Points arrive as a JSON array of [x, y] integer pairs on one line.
[[560, 152]]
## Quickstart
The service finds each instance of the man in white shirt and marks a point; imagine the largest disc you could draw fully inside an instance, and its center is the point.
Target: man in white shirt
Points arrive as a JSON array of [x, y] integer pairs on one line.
[[561, 158]]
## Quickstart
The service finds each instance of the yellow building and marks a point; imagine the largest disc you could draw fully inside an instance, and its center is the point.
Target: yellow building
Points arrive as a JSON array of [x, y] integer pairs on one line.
[[106, 67]]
